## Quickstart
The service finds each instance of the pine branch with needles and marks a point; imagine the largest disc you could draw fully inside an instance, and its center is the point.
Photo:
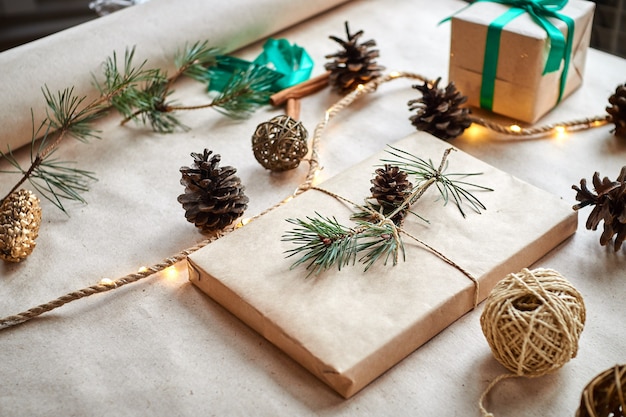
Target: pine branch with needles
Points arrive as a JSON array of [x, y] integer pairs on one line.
[[244, 92], [322, 242]]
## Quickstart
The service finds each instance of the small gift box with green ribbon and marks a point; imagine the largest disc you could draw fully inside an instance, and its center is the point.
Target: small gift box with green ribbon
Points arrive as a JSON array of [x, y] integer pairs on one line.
[[520, 58]]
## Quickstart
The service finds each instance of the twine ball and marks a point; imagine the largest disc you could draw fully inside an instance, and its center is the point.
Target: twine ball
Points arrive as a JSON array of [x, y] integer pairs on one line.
[[605, 395], [280, 143], [532, 321]]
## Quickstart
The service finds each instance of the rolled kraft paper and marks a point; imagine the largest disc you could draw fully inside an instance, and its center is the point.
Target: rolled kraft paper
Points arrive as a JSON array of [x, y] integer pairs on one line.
[[157, 29]]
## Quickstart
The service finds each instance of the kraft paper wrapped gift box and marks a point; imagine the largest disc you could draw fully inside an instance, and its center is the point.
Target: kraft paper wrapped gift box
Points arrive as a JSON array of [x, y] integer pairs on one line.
[[522, 91], [348, 327]]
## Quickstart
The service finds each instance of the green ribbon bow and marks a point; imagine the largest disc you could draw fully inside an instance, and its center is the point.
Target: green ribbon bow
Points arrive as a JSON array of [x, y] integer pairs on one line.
[[539, 11]]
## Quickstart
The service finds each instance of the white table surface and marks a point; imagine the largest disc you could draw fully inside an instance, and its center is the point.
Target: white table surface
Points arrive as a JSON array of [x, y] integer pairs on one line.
[[162, 347]]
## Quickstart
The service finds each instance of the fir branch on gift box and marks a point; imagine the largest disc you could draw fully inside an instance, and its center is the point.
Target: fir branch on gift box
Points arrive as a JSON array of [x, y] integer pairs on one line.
[[322, 242]]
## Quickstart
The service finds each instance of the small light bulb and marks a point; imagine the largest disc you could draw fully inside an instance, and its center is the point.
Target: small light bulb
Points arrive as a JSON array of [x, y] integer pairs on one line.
[[107, 281], [171, 272], [142, 269], [560, 131], [515, 128]]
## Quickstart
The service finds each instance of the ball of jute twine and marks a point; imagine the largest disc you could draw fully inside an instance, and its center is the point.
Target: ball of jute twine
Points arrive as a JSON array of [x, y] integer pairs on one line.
[[605, 395], [532, 321], [280, 143]]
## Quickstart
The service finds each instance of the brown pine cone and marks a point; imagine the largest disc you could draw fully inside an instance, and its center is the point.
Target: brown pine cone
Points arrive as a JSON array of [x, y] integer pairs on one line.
[[390, 189], [214, 196], [609, 206], [617, 110], [439, 111], [354, 65]]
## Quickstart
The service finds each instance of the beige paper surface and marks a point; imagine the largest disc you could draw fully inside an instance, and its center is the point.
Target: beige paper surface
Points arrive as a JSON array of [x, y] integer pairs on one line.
[[521, 91], [157, 29], [347, 327]]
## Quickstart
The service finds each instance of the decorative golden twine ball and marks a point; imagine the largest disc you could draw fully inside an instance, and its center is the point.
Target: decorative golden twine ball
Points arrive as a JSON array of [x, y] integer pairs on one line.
[[532, 321], [605, 395], [280, 143], [20, 218]]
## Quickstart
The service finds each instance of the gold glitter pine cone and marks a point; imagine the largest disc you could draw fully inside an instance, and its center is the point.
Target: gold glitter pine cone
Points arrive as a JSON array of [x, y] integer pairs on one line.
[[20, 218]]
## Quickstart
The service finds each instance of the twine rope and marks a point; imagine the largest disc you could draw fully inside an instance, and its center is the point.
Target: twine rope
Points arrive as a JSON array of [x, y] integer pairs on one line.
[[535, 132]]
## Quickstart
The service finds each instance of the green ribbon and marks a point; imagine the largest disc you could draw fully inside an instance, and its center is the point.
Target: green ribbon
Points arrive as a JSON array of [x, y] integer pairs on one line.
[[539, 11], [227, 66], [289, 64], [292, 61]]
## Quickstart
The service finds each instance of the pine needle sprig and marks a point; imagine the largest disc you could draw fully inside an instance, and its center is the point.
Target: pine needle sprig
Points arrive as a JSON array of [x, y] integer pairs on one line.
[[245, 92], [194, 60], [149, 105], [323, 242], [379, 241], [65, 115], [55, 180], [117, 80], [450, 185]]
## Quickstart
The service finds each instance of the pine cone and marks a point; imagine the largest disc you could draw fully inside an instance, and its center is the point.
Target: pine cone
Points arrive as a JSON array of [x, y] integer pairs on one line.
[[214, 196], [439, 112], [609, 201], [20, 217], [354, 65], [618, 110], [390, 188]]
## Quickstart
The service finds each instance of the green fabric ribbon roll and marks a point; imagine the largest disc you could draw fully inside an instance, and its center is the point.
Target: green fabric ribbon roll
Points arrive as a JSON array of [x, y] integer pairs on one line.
[[539, 11]]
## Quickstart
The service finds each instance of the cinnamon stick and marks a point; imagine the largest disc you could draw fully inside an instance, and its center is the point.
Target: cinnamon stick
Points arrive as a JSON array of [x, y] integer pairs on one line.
[[303, 89], [293, 108]]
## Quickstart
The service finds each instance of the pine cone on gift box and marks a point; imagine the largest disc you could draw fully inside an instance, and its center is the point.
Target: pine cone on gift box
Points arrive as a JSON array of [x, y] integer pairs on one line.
[[20, 218], [617, 110], [390, 188], [609, 201], [214, 196], [439, 111], [354, 65]]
